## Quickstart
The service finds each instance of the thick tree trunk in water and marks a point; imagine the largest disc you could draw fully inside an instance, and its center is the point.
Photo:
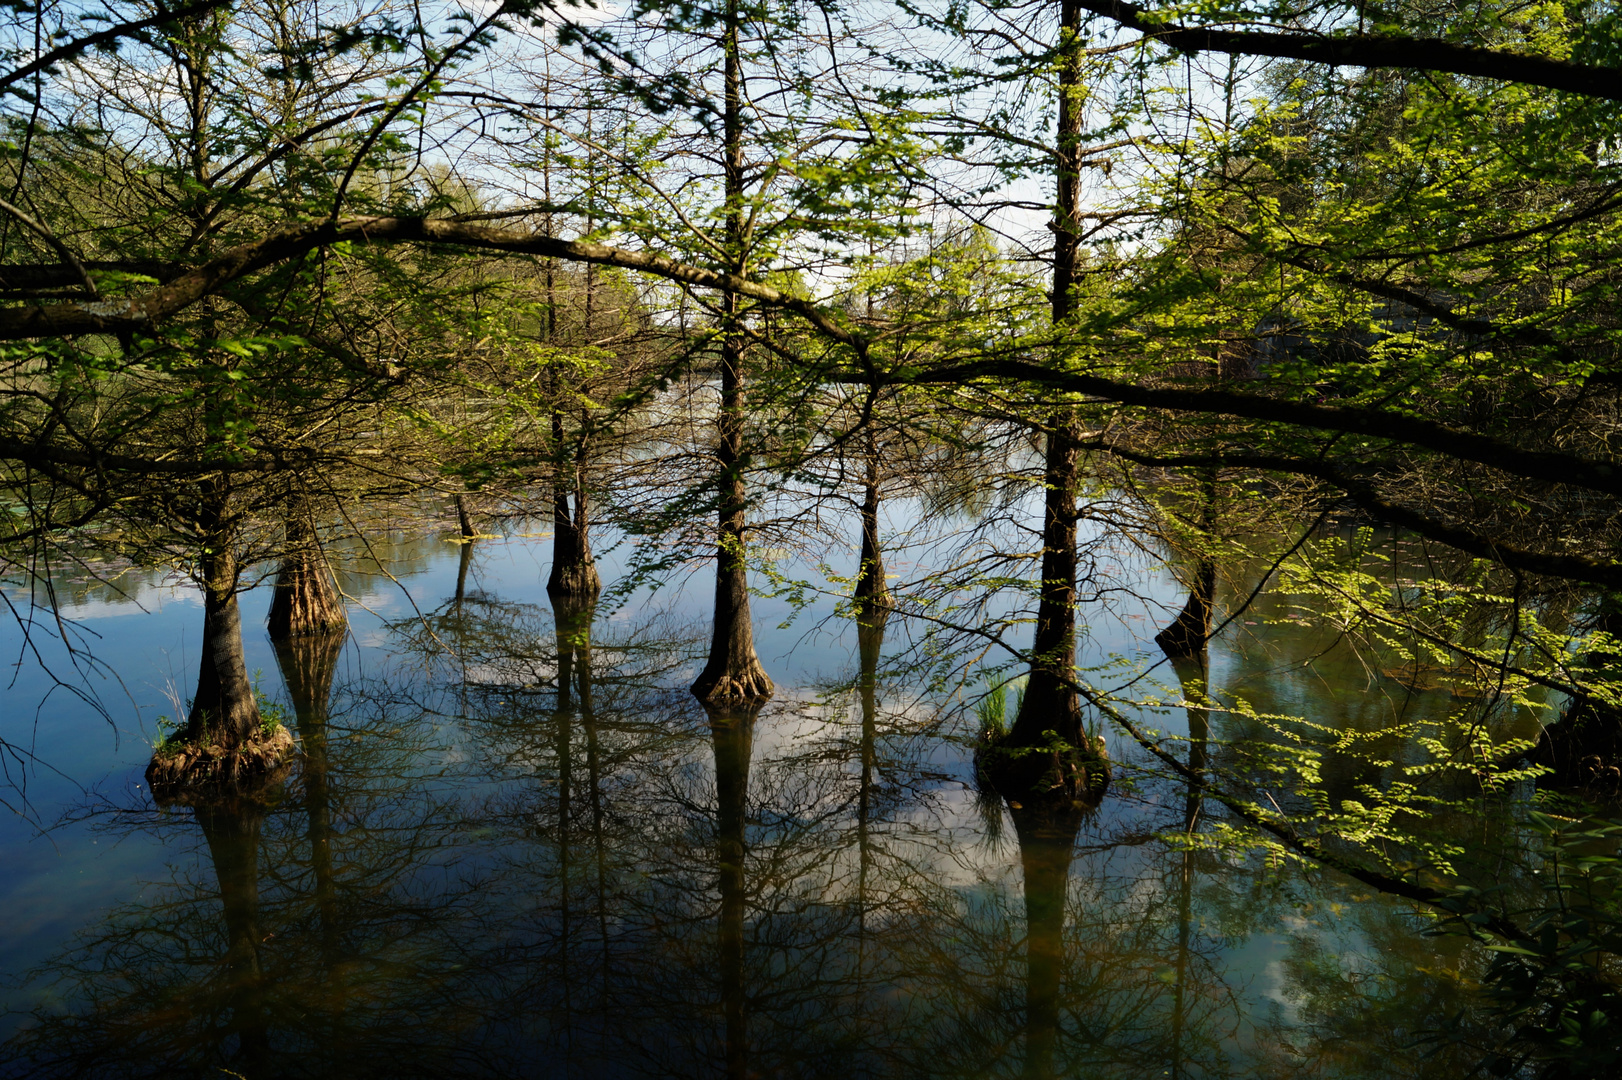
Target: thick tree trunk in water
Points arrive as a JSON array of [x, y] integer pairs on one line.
[[223, 711], [222, 744], [872, 594], [732, 675], [574, 571], [732, 733], [464, 520], [1187, 634], [305, 599]]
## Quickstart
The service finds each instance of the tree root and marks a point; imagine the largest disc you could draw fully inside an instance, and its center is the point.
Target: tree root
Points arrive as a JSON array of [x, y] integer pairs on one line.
[[188, 773], [750, 685], [1045, 775]]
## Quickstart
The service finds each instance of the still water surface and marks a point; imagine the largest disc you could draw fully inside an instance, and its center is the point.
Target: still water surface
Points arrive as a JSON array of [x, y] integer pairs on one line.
[[514, 850]]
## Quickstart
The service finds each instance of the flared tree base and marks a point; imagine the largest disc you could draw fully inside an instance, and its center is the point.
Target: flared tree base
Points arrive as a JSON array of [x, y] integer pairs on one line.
[[188, 774], [578, 581], [729, 689], [1047, 776], [304, 601]]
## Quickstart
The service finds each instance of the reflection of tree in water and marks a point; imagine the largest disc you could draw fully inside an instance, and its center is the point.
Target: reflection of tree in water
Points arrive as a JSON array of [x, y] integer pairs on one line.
[[321, 933], [534, 857]]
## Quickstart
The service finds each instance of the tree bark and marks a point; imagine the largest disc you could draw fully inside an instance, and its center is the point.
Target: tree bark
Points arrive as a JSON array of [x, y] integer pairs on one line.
[[1188, 633], [574, 571], [305, 599], [872, 593], [223, 711], [1051, 702], [732, 674]]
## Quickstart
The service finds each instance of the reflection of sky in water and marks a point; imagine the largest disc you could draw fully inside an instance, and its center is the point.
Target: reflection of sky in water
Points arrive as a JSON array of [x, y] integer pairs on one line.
[[927, 829]]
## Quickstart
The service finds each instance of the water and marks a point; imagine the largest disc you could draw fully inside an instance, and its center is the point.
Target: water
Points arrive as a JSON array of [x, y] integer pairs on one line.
[[471, 873]]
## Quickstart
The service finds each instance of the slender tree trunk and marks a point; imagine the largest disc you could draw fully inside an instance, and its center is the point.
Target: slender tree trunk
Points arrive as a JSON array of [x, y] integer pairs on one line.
[[733, 673], [1051, 702], [464, 520], [305, 599], [574, 571], [872, 593]]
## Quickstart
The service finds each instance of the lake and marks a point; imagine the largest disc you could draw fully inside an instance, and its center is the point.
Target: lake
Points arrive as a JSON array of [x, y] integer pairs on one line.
[[512, 847]]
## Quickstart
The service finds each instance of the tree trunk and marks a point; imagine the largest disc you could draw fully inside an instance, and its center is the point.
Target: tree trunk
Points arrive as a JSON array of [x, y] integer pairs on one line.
[[872, 593], [1188, 633], [464, 520], [305, 599], [574, 571], [223, 746], [223, 711], [732, 674], [1051, 702]]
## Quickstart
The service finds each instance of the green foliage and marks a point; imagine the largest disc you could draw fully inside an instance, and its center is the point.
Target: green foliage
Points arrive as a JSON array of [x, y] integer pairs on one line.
[[1556, 944]]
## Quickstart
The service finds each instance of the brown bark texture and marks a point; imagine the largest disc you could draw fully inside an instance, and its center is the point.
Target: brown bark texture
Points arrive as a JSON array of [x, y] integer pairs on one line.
[[305, 598], [732, 673]]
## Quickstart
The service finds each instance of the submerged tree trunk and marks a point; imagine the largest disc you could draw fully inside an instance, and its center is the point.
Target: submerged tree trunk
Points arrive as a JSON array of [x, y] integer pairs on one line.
[[305, 599], [732, 733], [872, 593], [464, 520], [574, 571], [732, 674]]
